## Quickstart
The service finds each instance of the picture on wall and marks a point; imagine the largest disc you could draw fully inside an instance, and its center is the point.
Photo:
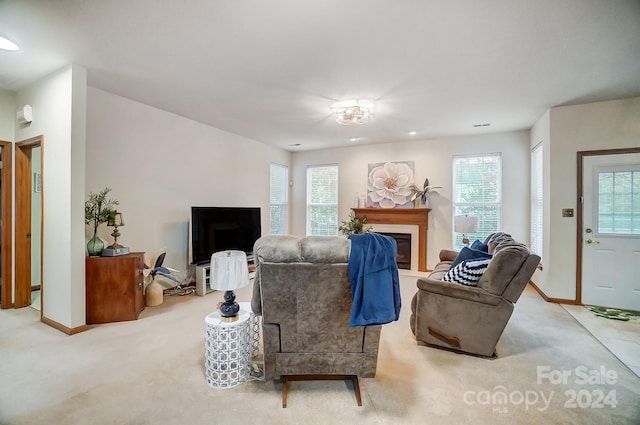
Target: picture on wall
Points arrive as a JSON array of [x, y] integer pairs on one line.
[[390, 184]]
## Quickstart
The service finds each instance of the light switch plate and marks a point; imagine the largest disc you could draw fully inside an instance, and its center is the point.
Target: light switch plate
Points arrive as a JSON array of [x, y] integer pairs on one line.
[[567, 212]]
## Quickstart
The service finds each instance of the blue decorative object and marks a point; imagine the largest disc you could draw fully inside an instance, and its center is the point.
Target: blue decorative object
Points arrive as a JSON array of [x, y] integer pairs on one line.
[[467, 253], [468, 272], [480, 246], [375, 284]]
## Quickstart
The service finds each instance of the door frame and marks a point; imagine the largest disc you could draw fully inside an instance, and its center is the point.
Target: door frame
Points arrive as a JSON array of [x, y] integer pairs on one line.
[[6, 157], [580, 209], [23, 186]]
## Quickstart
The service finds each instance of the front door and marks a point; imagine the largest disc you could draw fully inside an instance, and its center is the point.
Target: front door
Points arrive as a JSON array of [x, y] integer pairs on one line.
[[611, 230]]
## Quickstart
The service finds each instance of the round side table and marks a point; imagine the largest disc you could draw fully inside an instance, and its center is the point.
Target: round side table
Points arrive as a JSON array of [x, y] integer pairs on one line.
[[228, 347]]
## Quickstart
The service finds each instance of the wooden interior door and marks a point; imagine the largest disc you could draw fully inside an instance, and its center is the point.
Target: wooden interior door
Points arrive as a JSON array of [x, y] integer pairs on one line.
[[6, 224], [24, 187]]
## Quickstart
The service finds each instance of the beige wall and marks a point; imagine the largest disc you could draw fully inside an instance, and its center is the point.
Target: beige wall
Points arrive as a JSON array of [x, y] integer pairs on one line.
[[7, 115], [433, 159], [159, 164], [57, 100], [593, 126]]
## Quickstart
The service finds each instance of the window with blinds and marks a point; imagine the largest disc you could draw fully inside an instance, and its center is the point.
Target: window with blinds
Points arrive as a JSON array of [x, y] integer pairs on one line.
[[322, 200], [477, 190], [619, 202], [537, 201], [278, 199]]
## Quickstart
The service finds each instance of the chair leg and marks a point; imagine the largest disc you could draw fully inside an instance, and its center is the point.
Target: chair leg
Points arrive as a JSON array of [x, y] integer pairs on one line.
[[284, 391], [353, 378], [356, 388]]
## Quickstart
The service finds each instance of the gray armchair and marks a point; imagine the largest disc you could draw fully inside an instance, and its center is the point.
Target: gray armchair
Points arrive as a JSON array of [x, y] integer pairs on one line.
[[466, 318], [302, 290]]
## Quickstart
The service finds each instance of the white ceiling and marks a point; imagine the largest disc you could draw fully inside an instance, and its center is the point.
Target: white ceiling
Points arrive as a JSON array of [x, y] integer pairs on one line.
[[270, 70]]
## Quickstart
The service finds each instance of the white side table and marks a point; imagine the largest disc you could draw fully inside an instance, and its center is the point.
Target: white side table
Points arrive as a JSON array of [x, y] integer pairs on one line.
[[256, 327], [228, 349]]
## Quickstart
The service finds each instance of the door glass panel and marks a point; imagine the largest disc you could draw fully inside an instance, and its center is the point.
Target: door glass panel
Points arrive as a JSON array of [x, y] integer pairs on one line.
[[618, 207]]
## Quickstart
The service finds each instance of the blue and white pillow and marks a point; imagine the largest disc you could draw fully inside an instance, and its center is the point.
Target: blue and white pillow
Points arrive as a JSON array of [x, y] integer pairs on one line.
[[467, 272]]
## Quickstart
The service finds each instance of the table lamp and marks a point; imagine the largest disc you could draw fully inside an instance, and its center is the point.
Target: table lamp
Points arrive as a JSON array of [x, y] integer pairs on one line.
[[115, 248], [465, 224], [228, 272], [115, 221]]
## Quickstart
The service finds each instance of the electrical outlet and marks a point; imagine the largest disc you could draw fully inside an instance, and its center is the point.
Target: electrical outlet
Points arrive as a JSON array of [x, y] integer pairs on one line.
[[567, 212]]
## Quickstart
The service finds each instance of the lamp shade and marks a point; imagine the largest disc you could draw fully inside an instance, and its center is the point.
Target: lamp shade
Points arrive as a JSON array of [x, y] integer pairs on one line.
[[465, 223], [229, 270]]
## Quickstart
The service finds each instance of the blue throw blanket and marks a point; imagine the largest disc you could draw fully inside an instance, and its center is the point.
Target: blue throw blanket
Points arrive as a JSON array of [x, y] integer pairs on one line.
[[375, 285]]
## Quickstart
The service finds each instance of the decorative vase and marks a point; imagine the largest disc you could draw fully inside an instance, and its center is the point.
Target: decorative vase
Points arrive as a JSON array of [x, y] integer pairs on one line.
[[95, 246], [419, 202], [154, 294]]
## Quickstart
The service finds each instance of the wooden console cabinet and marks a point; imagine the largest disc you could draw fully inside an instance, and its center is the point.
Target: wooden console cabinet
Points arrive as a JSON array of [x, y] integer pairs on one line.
[[114, 288]]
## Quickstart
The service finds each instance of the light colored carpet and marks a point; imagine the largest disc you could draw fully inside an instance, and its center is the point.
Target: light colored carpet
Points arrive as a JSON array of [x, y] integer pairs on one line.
[[151, 371]]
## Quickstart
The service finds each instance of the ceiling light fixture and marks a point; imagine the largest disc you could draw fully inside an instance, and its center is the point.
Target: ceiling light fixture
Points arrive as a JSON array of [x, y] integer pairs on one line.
[[6, 44], [350, 112], [413, 133]]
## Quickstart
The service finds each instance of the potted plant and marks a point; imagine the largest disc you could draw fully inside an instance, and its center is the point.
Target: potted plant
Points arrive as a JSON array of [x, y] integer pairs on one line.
[[98, 209], [354, 225]]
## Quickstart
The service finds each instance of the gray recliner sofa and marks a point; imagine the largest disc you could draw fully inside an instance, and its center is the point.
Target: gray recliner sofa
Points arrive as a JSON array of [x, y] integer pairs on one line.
[[466, 318], [302, 290]]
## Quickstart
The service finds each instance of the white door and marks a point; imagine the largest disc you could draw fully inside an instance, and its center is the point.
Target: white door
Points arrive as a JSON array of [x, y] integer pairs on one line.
[[611, 231]]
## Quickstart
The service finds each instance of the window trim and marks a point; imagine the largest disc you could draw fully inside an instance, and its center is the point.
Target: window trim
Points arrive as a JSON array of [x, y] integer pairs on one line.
[[285, 204], [537, 200], [309, 204], [496, 203]]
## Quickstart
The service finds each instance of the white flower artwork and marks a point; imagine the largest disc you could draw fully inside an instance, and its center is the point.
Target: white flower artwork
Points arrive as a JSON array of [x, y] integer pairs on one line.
[[391, 184]]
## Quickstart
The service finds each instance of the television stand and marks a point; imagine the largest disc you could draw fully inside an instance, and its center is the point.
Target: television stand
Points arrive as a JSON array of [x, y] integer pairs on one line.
[[203, 279]]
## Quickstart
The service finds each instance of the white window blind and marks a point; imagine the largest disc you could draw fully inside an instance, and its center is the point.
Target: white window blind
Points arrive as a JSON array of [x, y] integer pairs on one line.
[[322, 200], [537, 201], [278, 199], [477, 190]]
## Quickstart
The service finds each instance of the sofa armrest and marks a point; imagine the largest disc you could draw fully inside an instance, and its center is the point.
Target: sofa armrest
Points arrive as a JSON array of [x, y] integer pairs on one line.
[[455, 290], [448, 255]]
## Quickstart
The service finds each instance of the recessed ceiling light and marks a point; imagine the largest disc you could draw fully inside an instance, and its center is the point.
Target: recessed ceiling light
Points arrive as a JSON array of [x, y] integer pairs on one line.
[[6, 44], [354, 139], [413, 133]]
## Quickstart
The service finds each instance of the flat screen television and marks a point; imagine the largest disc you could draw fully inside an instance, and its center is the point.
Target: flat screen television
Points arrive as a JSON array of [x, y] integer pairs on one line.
[[216, 229]]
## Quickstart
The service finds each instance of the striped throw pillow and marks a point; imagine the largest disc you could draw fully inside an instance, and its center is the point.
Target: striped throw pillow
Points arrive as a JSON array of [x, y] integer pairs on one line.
[[468, 272]]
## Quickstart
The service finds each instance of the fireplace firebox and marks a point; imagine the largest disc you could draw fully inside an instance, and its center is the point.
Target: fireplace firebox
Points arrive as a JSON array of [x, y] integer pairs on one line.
[[403, 256]]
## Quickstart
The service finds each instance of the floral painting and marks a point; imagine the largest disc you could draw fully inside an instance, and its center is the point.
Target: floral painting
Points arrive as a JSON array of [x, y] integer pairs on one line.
[[391, 185]]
